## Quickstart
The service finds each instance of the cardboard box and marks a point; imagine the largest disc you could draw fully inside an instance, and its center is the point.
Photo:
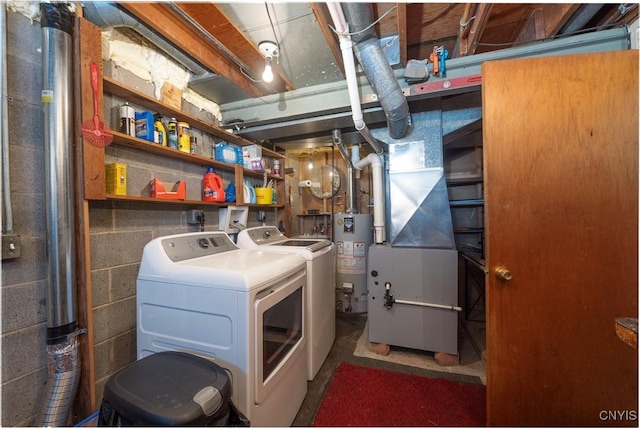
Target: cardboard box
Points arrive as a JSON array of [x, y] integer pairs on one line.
[[116, 178], [252, 151]]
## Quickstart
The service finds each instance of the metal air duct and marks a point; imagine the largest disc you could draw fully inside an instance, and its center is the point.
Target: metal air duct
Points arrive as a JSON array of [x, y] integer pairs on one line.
[[62, 346], [359, 16]]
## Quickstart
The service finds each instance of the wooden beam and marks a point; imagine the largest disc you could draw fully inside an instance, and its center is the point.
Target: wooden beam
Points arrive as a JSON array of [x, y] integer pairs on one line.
[[323, 17], [89, 184], [556, 16], [468, 40], [192, 42], [401, 20], [216, 22], [615, 16], [533, 28]]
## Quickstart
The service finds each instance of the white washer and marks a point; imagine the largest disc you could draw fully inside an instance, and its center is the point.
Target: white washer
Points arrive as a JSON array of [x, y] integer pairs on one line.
[[243, 309], [320, 255]]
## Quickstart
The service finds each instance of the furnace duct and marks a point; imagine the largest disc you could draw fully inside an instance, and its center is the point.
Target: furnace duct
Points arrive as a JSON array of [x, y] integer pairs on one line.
[[359, 16], [62, 346]]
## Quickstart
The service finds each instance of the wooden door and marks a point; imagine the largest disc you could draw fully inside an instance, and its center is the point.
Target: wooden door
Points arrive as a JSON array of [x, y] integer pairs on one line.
[[561, 175]]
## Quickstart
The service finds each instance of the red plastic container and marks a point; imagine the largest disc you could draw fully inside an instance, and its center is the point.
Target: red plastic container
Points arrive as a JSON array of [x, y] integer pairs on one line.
[[212, 188]]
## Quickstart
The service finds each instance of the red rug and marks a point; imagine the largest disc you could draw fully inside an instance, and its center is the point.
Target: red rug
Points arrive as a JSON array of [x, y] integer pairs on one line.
[[361, 396]]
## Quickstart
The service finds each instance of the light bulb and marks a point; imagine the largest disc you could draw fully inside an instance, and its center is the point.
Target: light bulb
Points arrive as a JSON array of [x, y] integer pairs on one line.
[[267, 74]]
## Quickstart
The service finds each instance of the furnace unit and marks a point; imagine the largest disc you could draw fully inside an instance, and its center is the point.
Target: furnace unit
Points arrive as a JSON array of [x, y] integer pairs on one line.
[[412, 278]]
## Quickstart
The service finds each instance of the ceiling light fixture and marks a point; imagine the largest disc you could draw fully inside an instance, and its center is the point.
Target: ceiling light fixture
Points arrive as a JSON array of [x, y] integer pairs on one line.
[[310, 163], [270, 51]]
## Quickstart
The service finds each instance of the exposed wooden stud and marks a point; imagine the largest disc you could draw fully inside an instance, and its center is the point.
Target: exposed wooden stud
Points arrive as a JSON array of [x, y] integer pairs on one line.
[[401, 20], [171, 26], [321, 13], [467, 41], [89, 184]]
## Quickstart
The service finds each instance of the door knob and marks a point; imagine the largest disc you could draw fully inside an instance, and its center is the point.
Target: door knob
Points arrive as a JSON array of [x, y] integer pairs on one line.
[[503, 274]]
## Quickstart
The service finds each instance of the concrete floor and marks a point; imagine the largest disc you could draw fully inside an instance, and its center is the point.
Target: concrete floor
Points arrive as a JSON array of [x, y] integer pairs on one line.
[[349, 327]]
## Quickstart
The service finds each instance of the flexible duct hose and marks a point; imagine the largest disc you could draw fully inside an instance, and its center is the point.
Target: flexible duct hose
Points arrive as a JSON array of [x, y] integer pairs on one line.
[[62, 383]]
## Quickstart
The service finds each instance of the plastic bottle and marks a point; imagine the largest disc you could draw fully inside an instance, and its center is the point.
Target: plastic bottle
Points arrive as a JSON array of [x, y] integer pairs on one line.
[[184, 140], [172, 133], [127, 123], [212, 189], [160, 129]]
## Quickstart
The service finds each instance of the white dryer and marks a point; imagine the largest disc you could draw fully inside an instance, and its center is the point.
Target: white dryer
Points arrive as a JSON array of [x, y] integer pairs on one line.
[[243, 309], [320, 254]]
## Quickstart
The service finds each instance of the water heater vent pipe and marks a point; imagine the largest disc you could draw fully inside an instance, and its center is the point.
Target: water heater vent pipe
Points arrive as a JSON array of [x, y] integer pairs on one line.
[[378, 194]]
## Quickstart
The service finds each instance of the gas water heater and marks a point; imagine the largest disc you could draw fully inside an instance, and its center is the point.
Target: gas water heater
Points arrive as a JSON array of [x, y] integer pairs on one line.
[[353, 236]]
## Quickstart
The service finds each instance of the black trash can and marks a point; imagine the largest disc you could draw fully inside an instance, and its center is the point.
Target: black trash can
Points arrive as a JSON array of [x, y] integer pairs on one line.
[[167, 388]]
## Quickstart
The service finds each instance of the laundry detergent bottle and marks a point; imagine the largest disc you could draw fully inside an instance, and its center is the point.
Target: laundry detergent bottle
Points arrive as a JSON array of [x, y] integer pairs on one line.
[[212, 189]]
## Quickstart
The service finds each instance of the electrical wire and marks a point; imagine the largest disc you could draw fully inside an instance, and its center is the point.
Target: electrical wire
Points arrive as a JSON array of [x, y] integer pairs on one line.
[[273, 28], [464, 24], [367, 27], [249, 77]]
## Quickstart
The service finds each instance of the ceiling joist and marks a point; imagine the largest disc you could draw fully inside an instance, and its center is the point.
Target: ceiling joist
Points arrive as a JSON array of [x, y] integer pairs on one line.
[[321, 12], [177, 31]]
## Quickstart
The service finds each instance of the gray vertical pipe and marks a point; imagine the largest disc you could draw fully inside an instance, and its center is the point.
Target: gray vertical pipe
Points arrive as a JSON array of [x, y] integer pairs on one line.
[[351, 181], [58, 138], [4, 114], [62, 345], [359, 16]]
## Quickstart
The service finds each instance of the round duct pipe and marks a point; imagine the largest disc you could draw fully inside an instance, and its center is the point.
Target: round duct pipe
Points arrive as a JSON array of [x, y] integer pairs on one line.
[[62, 347], [108, 15], [359, 16]]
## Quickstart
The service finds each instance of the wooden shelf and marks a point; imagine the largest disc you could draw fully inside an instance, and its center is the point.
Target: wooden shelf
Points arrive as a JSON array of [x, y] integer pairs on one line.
[[240, 173], [165, 201], [125, 140], [313, 215], [134, 96], [185, 202]]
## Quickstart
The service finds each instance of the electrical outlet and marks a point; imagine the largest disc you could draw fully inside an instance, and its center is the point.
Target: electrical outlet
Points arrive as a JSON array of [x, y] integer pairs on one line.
[[10, 246], [194, 216]]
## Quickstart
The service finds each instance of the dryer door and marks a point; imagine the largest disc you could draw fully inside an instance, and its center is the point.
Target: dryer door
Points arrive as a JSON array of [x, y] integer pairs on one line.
[[280, 338]]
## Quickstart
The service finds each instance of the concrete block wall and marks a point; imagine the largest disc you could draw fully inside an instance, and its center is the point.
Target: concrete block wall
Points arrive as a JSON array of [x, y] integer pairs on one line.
[[24, 371]]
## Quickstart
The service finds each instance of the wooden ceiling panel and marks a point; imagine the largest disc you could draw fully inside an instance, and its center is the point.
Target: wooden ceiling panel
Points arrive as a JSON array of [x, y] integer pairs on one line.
[[429, 22], [388, 26]]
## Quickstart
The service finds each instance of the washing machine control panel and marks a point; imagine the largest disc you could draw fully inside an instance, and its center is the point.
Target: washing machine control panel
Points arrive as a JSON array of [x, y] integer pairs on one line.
[[266, 235], [187, 247]]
